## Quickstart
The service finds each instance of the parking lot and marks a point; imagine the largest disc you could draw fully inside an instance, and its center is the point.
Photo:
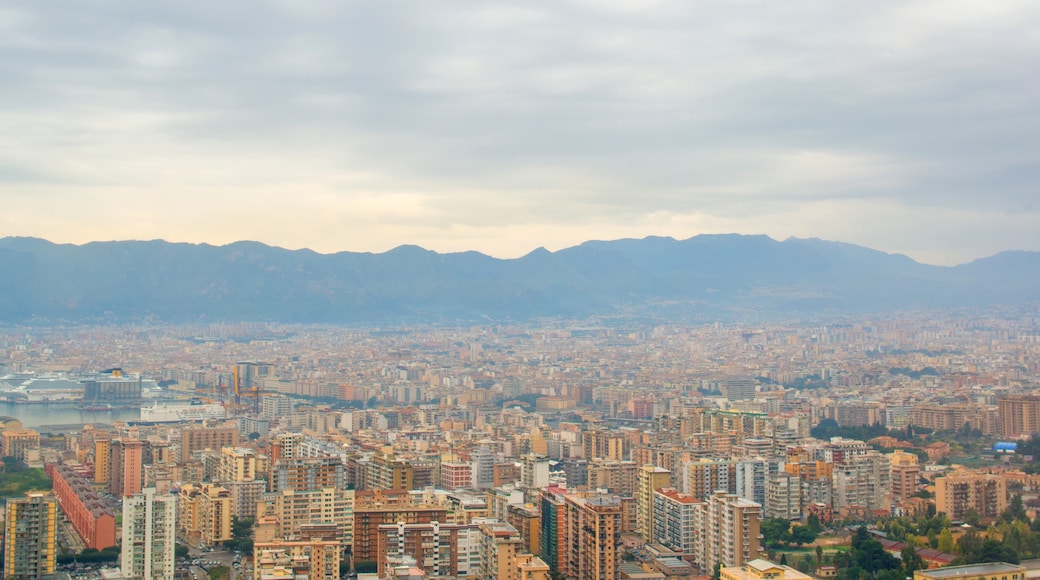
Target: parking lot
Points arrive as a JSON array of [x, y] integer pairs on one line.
[[202, 562]]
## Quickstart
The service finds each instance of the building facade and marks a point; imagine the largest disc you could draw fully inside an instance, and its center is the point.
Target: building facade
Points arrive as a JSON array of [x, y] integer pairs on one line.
[[204, 514], [90, 515], [30, 526], [593, 534], [956, 493], [727, 531], [149, 536], [675, 520], [1019, 415], [651, 478]]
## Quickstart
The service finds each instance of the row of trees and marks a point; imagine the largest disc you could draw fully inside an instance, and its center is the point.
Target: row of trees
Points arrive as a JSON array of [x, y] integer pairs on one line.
[[241, 535], [90, 556], [1011, 537], [868, 560], [778, 532]]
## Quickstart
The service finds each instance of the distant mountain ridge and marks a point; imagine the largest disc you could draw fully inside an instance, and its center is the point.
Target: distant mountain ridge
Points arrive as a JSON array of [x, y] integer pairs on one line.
[[706, 277]]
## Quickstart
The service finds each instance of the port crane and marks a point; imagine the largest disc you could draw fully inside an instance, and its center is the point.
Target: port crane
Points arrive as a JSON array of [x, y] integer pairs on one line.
[[246, 386]]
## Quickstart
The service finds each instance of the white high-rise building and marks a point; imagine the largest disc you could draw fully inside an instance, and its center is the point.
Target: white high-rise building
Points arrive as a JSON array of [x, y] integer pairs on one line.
[[534, 472], [751, 479], [149, 535], [783, 496], [275, 407], [483, 470], [863, 481]]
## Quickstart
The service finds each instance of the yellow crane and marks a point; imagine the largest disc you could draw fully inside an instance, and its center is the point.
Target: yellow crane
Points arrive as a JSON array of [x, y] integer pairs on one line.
[[251, 391]]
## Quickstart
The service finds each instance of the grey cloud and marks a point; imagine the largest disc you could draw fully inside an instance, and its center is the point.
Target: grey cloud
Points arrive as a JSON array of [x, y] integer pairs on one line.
[[538, 112]]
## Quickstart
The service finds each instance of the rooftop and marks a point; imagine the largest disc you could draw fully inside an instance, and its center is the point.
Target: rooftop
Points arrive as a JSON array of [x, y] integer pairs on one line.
[[971, 570]]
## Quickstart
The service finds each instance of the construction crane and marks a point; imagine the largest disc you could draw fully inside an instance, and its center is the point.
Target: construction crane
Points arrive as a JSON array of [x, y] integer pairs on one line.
[[247, 385]]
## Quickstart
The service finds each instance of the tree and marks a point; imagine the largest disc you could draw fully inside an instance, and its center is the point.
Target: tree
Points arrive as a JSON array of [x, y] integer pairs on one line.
[[896, 531], [180, 551], [802, 535], [775, 531], [996, 551], [12, 464], [912, 561], [869, 555], [859, 537], [241, 534], [945, 541], [971, 517], [819, 555], [969, 545], [254, 436], [1015, 510], [783, 559], [813, 521]]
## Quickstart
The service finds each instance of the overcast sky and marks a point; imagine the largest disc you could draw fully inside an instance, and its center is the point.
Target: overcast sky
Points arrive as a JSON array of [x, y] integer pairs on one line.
[[909, 126]]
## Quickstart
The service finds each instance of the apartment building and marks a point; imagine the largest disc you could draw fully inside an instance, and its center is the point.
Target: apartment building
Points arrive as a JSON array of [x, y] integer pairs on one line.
[[651, 478], [593, 533], [194, 439], [906, 475], [240, 464], [703, 477], [126, 467], [783, 496], [675, 518], [310, 559], [373, 509], [148, 535], [727, 531], [294, 510], [29, 536], [499, 548], [1019, 415], [89, 515], [959, 491], [441, 550], [621, 477], [204, 514], [308, 473]]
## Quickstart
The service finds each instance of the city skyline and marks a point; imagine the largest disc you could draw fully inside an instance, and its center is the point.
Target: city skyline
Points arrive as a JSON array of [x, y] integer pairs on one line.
[[903, 126]]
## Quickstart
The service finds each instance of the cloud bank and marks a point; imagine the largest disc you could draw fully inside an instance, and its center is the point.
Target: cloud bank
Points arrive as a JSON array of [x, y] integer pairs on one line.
[[909, 126]]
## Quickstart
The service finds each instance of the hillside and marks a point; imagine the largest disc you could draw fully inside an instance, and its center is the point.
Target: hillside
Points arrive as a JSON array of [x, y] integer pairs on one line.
[[703, 278]]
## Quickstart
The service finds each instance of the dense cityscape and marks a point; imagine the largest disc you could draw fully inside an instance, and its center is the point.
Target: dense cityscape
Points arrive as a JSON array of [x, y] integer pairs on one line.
[[594, 449], [519, 290]]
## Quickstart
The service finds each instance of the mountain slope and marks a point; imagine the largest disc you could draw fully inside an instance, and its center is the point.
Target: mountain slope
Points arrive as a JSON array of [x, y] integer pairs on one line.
[[704, 277]]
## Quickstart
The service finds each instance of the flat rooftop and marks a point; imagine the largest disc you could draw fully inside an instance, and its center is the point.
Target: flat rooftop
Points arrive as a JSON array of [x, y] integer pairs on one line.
[[971, 570]]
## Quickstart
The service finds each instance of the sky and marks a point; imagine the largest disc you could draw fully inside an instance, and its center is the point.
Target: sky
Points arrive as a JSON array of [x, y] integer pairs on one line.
[[909, 126]]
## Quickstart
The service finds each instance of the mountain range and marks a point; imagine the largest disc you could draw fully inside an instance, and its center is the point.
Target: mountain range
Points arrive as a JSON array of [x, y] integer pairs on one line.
[[704, 278]]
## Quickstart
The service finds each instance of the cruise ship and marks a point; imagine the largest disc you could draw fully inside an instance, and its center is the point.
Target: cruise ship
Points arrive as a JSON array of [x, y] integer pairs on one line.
[[194, 410]]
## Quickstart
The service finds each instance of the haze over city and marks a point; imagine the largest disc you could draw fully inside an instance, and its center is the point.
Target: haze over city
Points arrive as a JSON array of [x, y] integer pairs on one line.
[[909, 127], [577, 290]]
